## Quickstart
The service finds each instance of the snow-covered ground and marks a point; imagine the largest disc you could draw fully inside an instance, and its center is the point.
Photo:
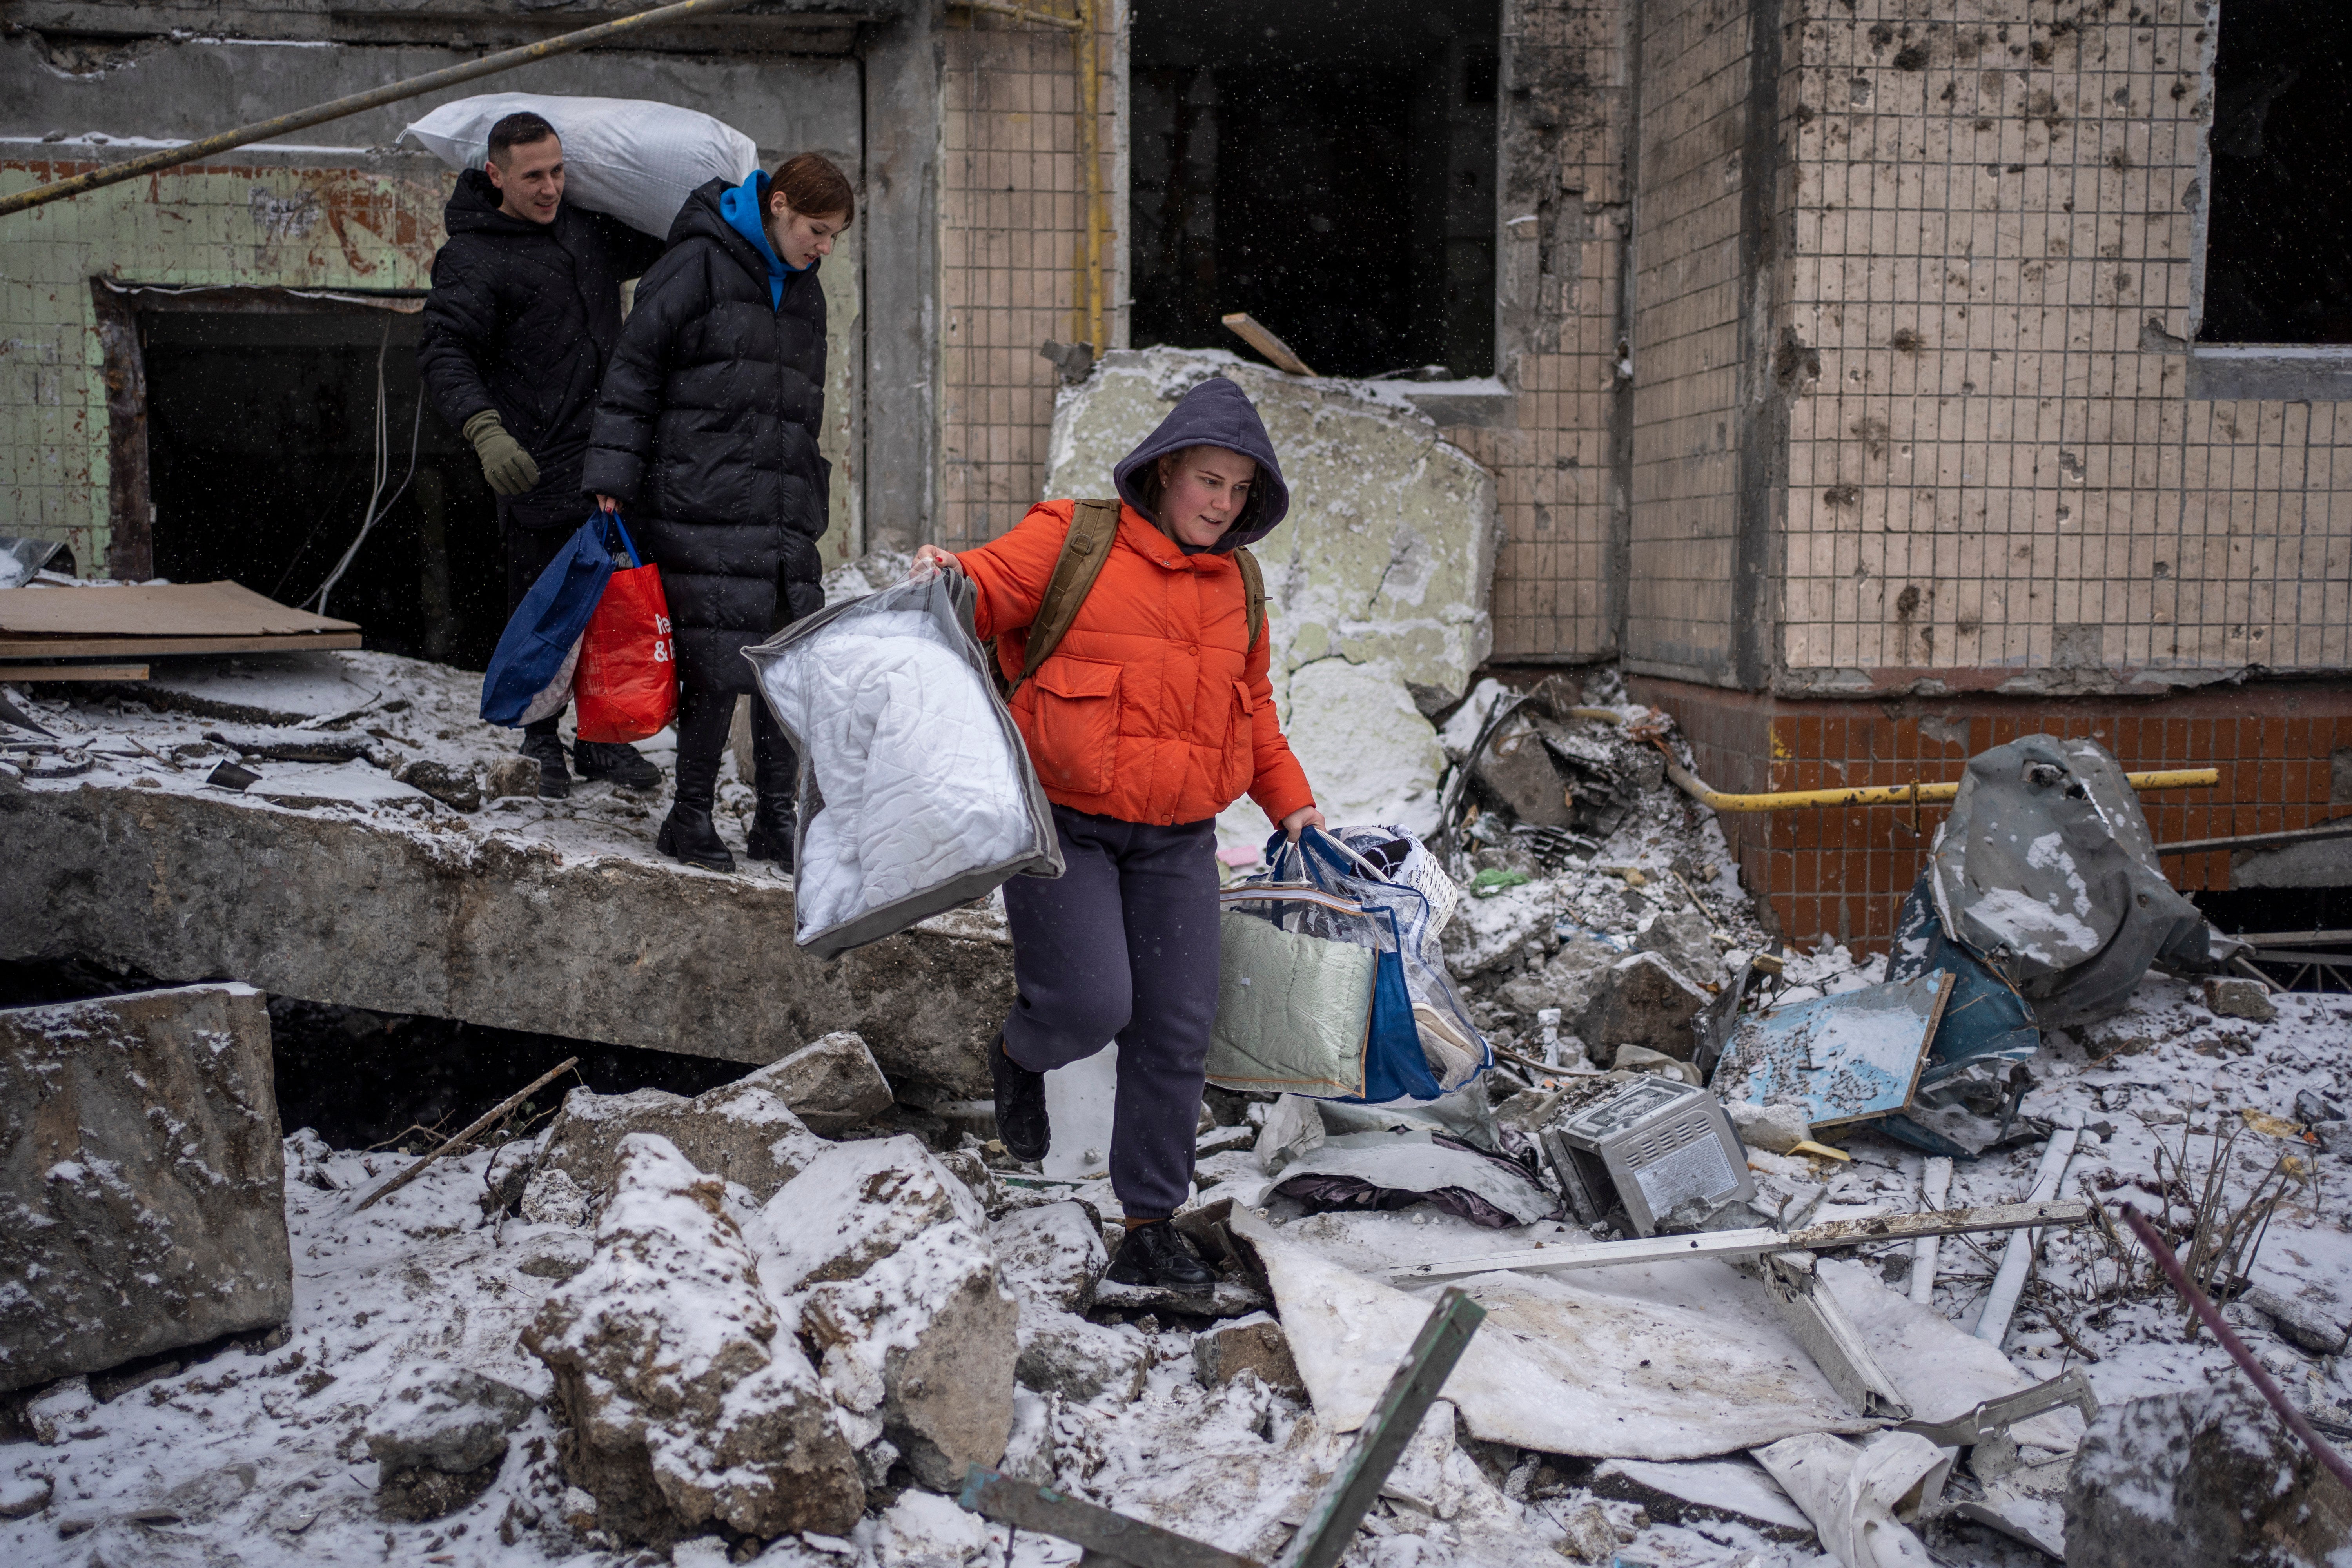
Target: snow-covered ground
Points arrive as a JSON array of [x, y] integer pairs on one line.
[[255, 1456]]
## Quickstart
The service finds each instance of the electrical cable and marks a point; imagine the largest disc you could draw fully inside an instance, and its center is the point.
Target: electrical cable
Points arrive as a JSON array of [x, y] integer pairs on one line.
[[382, 472]]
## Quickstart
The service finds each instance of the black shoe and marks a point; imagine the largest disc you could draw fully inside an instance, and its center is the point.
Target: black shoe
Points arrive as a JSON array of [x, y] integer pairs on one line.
[[687, 835], [1155, 1255], [1020, 1106], [771, 837], [622, 764], [554, 779]]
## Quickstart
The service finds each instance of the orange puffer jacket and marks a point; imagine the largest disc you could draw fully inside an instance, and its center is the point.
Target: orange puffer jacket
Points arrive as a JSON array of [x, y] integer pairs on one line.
[[1154, 708]]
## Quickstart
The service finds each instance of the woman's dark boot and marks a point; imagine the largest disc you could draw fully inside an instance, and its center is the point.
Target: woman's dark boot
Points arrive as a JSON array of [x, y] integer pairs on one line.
[[776, 780], [689, 834], [1021, 1122], [1155, 1255]]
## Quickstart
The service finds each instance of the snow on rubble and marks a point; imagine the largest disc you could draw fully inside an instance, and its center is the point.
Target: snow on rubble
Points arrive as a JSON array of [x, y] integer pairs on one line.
[[272, 1451], [701, 1332]]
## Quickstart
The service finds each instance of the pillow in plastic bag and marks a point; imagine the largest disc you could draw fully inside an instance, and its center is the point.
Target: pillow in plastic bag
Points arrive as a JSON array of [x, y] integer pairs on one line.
[[915, 791], [633, 158]]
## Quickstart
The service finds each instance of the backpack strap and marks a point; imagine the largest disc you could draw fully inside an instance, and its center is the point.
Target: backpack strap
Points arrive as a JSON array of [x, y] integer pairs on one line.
[[1253, 592], [1094, 528]]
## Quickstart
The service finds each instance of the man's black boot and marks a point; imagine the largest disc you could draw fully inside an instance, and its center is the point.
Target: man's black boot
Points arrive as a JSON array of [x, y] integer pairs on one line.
[[1155, 1255], [1020, 1106], [776, 780], [688, 834], [547, 751], [622, 764]]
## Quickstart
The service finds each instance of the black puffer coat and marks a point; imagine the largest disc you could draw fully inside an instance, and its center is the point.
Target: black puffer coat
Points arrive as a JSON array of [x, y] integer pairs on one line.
[[522, 319], [707, 434]]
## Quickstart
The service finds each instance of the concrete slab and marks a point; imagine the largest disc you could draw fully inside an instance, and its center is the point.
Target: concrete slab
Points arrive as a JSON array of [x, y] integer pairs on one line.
[[142, 1196], [553, 916]]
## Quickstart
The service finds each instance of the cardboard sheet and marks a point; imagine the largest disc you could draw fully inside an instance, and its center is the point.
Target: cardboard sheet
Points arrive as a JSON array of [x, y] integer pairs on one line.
[[162, 610]]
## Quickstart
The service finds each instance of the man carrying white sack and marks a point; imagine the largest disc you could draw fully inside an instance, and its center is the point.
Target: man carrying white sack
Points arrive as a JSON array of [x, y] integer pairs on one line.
[[524, 313]]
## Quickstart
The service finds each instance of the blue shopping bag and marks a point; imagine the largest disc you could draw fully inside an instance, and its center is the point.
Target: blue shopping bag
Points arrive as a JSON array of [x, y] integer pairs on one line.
[[530, 676]]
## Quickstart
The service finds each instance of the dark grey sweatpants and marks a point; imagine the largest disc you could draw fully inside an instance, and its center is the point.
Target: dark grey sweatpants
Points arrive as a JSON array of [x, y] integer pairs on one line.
[[1124, 947]]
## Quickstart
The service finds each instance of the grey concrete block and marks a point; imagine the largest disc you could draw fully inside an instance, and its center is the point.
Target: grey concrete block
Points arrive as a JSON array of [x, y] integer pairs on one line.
[[394, 917], [142, 1198]]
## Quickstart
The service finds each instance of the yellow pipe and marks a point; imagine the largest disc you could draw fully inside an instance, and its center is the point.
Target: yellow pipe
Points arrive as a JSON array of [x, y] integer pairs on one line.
[[1088, 44], [1898, 795]]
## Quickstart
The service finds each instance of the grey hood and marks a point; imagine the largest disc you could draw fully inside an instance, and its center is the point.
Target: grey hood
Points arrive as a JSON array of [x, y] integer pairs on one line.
[[1214, 414]]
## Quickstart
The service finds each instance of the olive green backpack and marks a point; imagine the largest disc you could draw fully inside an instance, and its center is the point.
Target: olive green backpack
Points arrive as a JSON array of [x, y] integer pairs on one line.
[[1094, 526]]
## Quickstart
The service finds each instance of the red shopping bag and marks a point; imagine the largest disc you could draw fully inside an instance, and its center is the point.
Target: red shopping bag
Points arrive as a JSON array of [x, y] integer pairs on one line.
[[625, 685]]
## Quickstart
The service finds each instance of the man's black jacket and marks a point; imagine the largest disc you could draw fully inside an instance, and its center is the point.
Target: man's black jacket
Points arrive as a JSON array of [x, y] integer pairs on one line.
[[523, 318]]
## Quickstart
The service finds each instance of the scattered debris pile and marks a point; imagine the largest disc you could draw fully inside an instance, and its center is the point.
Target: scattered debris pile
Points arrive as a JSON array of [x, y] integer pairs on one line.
[[1739, 1303]]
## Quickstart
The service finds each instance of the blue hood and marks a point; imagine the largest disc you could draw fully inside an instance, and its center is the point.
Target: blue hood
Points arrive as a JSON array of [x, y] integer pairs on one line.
[[743, 208], [1214, 414]]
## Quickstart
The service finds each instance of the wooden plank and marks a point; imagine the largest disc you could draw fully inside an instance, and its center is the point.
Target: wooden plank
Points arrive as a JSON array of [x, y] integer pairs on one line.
[[1332, 1518], [1247, 328], [73, 672], [123, 646], [222, 609]]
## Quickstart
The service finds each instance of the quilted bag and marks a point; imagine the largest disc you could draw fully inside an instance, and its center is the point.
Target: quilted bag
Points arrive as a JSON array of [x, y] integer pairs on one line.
[[915, 790]]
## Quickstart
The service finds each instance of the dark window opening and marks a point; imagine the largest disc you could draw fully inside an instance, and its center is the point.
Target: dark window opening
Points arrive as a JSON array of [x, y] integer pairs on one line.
[[262, 436], [1328, 167], [2278, 246]]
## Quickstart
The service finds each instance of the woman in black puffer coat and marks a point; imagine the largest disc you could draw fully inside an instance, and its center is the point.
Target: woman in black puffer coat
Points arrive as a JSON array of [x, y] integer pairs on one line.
[[706, 434]]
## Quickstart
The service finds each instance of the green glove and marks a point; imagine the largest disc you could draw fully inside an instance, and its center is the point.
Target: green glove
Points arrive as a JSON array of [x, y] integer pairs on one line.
[[504, 462]]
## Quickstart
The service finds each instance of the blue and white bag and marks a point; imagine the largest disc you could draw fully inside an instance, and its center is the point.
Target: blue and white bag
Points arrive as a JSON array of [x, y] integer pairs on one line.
[[1329, 983]]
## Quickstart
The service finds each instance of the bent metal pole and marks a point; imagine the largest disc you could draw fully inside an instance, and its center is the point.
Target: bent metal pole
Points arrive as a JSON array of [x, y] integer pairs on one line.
[[261, 130]]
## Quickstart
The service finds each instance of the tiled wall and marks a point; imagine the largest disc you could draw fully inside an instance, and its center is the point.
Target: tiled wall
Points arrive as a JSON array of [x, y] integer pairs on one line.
[[1999, 467], [1013, 231], [1686, 339], [1845, 871], [1564, 224]]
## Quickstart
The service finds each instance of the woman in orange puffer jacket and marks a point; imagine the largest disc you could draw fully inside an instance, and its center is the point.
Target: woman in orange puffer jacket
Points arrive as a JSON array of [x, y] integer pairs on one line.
[[1153, 714]]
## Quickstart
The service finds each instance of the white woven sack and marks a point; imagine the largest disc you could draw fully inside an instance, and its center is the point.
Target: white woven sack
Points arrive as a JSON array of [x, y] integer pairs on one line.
[[630, 157]]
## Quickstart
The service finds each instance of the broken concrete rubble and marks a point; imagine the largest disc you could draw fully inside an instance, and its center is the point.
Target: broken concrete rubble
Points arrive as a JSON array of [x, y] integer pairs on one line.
[[1082, 1360], [832, 1084], [438, 1436], [1642, 1000], [739, 1132], [2236, 996], [683, 1403], [1052, 1254], [142, 1202], [854, 1205], [1253, 1345], [901, 1298], [2204, 1476]]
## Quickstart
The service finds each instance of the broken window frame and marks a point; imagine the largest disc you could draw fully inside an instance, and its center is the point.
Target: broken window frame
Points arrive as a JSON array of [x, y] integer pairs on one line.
[[2226, 371]]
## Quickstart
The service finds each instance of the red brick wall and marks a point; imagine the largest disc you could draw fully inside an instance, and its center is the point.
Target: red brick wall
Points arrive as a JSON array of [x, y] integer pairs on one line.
[[1845, 871]]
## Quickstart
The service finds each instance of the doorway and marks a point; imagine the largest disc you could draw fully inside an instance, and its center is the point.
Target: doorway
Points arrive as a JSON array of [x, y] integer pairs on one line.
[[274, 422]]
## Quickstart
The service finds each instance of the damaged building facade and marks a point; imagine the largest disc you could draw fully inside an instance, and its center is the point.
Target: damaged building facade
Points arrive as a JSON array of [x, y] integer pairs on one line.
[[1873, 382]]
